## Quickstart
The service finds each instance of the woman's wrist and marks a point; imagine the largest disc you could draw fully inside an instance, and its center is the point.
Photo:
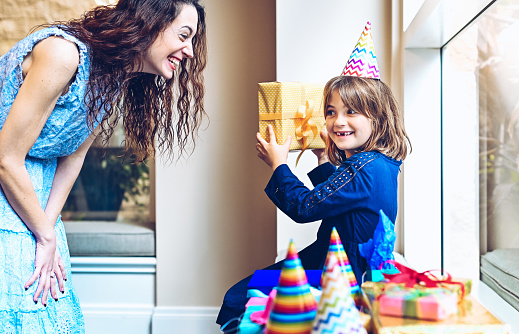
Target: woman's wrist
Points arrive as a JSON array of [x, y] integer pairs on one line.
[[45, 236]]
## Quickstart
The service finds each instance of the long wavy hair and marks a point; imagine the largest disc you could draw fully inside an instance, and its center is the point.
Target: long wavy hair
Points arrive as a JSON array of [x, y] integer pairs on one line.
[[155, 111], [373, 99]]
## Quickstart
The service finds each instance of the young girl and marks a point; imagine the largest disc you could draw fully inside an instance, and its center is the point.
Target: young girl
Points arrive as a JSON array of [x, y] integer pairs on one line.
[[366, 139]]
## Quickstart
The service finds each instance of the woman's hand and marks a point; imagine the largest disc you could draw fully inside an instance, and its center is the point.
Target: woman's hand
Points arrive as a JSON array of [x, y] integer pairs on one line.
[[271, 152], [320, 153], [61, 275], [44, 268]]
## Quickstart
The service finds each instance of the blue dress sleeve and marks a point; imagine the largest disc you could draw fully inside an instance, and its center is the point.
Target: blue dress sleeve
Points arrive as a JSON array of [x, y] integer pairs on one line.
[[348, 188], [321, 173]]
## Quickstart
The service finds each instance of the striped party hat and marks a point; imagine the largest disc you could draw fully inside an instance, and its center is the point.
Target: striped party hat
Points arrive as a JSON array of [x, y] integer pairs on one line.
[[363, 61], [294, 307], [336, 313], [336, 248]]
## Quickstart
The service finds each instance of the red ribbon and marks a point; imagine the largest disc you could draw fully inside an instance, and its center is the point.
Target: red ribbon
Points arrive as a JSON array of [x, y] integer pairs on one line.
[[410, 277]]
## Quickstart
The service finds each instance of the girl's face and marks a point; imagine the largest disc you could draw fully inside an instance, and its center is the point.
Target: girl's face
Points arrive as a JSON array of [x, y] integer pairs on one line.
[[348, 129], [174, 44]]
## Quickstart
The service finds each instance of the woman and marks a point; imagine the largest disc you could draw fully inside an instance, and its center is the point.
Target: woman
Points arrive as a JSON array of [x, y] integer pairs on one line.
[[62, 86]]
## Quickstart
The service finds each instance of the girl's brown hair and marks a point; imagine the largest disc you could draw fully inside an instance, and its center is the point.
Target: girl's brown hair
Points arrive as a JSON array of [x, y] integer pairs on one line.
[[374, 99], [154, 110]]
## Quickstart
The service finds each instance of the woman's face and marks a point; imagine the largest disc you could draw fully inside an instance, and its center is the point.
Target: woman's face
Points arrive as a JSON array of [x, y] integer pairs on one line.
[[348, 129], [173, 45]]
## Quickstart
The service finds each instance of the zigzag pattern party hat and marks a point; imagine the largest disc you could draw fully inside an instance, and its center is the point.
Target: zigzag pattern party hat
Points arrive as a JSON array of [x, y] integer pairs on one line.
[[337, 249], [336, 313], [363, 60], [294, 307]]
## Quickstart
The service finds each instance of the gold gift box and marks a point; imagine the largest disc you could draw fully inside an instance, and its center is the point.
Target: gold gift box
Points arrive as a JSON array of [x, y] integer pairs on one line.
[[293, 109]]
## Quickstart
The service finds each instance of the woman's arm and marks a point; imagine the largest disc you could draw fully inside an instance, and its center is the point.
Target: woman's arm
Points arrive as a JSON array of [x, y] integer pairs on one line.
[[49, 69], [67, 171]]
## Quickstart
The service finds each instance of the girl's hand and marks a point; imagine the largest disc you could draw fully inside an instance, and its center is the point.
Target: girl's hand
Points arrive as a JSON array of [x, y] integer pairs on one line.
[[320, 153], [44, 269], [271, 152]]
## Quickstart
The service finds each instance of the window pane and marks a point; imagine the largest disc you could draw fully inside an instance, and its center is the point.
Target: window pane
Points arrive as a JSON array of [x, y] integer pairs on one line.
[[480, 139], [109, 187]]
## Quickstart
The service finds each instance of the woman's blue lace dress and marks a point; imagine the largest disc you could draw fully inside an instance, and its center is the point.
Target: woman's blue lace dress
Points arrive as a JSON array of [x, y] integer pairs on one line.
[[63, 133]]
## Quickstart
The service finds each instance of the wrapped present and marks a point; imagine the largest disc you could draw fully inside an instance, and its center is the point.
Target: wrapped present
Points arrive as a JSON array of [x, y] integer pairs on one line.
[[247, 326], [410, 278], [256, 303], [420, 302], [471, 317], [373, 289], [293, 109]]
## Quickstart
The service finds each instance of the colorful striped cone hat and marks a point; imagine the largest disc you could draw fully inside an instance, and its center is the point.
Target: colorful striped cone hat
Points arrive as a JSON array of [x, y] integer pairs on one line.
[[336, 313], [294, 307], [336, 248], [363, 61]]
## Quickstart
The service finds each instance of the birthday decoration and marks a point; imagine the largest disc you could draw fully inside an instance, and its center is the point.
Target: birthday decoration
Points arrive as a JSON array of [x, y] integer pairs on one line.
[[379, 249], [363, 61], [294, 307], [337, 249], [336, 313]]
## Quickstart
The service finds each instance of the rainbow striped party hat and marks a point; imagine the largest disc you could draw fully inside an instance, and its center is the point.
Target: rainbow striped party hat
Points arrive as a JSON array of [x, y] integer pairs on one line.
[[336, 313], [363, 61], [294, 307], [337, 249]]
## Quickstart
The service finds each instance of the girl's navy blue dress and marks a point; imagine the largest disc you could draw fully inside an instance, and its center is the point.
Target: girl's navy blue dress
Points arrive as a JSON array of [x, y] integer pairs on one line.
[[349, 198]]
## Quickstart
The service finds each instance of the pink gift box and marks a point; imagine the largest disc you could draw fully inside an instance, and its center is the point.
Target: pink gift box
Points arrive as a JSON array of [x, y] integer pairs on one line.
[[419, 303]]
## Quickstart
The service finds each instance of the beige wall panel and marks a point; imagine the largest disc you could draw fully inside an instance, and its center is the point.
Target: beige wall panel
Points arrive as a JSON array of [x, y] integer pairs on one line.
[[215, 225]]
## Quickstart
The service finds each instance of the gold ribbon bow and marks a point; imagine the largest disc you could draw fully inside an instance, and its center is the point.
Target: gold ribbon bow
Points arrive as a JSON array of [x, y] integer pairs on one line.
[[307, 128]]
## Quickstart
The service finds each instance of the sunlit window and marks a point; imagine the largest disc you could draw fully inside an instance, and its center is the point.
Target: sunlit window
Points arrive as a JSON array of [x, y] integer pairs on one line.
[[480, 137]]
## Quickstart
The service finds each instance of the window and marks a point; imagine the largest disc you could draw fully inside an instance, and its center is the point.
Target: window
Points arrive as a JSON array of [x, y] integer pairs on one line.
[[480, 143], [108, 210], [109, 187]]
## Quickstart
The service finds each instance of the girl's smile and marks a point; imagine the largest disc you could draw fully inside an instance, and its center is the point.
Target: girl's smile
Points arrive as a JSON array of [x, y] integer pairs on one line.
[[348, 129]]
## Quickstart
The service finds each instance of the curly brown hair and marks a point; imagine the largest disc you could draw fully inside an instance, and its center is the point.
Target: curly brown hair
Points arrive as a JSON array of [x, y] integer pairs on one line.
[[373, 99], [119, 36]]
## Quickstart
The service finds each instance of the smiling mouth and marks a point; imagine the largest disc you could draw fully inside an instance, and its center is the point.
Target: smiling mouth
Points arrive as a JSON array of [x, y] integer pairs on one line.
[[343, 134], [174, 61]]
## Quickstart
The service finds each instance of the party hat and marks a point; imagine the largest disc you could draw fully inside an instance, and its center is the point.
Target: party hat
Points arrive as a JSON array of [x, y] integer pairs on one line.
[[363, 61], [294, 307], [336, 248], [336, 313]]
